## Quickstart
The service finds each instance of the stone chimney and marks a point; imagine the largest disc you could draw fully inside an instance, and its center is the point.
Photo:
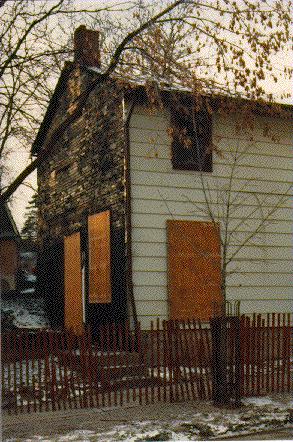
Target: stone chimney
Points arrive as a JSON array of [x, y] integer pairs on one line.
[[87, 47]]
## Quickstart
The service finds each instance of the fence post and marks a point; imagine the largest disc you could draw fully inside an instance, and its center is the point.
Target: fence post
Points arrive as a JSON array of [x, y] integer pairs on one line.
[[238, 362], [226, 341], [219, 360]]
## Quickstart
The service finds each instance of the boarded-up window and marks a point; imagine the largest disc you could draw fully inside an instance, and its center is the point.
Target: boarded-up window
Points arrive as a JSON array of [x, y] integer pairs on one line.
[[194, 269], [99, 258], [73, 303]]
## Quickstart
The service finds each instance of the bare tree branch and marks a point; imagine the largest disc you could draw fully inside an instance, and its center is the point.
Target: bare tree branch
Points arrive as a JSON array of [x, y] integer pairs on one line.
[[173, 48], [22, 39], [81, 101]]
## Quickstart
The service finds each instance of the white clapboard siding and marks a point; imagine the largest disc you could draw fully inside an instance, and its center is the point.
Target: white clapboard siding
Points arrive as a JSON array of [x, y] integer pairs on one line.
[[254, 266], [148, 278], [194, 196], [174, 208], [149, 122], [245, 252], [142, 119], [159, 221], [262, 268], [146, 293], [151, 307], [259, 148], [146, 235], [253, 173], [159, 279], [262, 292], [150, 293], [261, 306], [147, 249], [149, 136], [278, 128], [222, 169], [248, 159], [264, 252], [264, 151], [187, 180], [153, 264], [260, 279], [251, 267], [156, 306]]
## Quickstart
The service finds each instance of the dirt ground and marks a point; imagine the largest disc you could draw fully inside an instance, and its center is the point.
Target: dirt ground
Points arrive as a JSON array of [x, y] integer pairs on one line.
[[181, 421]]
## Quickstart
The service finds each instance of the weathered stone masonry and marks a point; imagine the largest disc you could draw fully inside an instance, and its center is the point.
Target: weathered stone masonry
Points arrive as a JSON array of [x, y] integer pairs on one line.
[[84, 175]]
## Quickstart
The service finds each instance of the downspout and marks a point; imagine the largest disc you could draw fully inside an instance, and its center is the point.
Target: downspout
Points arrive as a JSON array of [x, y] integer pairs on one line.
[[128, 226]]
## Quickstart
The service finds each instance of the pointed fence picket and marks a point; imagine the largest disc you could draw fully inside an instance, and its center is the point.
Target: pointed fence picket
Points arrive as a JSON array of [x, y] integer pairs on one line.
[[266, 344], [55, 370]]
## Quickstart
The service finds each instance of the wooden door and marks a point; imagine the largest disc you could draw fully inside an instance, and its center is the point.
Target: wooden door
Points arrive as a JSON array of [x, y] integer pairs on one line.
[[100, 291], [194, 269], [73, 302]]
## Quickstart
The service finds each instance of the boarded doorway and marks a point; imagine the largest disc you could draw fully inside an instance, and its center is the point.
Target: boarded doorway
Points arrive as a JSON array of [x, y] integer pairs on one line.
[[73, 287], [100, 290]]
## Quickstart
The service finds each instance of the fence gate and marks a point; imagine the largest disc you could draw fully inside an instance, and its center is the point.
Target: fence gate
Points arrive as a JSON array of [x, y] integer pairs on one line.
[[226, 360]]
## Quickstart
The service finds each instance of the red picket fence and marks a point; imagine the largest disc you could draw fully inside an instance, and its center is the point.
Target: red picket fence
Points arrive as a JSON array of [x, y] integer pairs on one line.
[[173, 361], [251, 356], [266, 345], [50, 370]]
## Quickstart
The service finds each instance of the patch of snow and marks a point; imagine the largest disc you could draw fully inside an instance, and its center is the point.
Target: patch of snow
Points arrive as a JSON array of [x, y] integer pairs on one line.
[[26, 312], [196, 423], [95, 69], [25, 319], [28, 291], [30, 277], [259, 401], [80, 435], [264, 401]]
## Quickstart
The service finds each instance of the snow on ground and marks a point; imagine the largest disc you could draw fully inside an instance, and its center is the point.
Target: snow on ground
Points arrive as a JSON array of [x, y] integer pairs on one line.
[[30, 291], [28, 312], [204, 422]]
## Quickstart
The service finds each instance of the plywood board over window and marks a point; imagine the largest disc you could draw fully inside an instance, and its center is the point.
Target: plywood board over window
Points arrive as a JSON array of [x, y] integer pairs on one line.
[[194, 269], [73, 284], [99, 258]]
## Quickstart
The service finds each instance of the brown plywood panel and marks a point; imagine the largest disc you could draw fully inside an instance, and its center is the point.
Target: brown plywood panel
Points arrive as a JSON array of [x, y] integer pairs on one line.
[[194, 269], [72, 284], [99, 258], [8, 257]]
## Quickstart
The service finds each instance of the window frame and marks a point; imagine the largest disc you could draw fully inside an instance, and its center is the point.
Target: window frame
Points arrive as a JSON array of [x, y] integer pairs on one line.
[[187, 107]]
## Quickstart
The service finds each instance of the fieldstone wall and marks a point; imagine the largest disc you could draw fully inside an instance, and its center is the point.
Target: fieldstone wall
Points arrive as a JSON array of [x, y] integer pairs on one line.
[[84, 175]]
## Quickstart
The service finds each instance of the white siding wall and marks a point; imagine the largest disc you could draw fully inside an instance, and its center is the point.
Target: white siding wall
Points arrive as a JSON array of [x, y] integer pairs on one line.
[[263, 278]]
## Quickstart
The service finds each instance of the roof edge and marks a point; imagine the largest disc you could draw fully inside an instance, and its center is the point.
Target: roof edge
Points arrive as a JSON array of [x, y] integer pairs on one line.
[[261, 107], [51, 109]]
